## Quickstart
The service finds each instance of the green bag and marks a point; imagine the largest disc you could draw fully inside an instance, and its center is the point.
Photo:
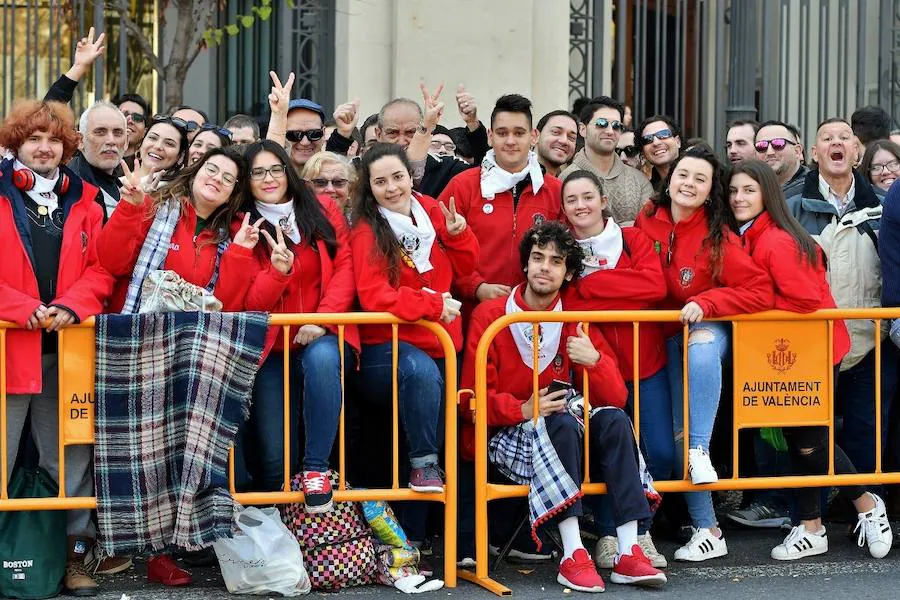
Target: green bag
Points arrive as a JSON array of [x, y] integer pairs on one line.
[[775, 437], [33, 543]]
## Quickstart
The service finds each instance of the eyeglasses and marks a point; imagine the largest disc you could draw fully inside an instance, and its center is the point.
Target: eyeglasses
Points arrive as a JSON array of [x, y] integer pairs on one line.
[[259, 173], [176, 122], [220, 130], [320, 183], [604, 123], [448, 146], [777, 144], [662, 134], [892, 166], [313, 135], [212, 169], [136, 117], [629, 151]]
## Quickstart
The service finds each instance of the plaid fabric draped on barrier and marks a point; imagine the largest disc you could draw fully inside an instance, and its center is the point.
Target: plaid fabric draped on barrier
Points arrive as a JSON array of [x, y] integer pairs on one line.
[[171, 392]]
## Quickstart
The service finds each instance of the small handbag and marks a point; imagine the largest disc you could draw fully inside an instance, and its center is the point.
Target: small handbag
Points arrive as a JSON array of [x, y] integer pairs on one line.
[[165, 291]]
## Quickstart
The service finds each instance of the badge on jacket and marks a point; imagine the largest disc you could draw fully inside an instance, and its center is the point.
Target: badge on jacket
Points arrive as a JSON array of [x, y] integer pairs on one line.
[[84, 242], [538, 218], [687, 276]]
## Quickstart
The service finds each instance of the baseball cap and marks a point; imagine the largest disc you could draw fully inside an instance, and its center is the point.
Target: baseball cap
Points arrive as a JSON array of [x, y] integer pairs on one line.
[[307, 105]]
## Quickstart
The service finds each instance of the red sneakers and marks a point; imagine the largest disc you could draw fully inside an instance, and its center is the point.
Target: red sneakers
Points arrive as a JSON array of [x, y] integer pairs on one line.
[[579, 573], [317, 492], [162, 569], [636, 570]]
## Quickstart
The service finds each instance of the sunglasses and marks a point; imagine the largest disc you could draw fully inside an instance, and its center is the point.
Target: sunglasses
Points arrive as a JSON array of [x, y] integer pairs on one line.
[[313, 135], [629, 151], [662, 134], [604, 123], [175, 122], [220, 130], [776, 143], [136, 117], [213, 169], [320, 183]]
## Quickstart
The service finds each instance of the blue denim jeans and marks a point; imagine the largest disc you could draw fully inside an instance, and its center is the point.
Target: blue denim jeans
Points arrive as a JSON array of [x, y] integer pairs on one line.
[[657, 444], [315, 375], [420, 393], [707, 348]]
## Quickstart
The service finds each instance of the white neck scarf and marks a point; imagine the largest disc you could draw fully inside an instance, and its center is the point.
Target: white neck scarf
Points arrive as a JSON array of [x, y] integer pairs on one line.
[[603, 250], [495, 180], [523, 334], [416, 238], [43, 192], [281, 216]]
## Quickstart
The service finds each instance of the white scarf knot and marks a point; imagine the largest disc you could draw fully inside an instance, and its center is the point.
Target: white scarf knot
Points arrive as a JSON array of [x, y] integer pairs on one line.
[[415, 233], [603, 250], [281, 216], [523, 335], [44, 191], [495, 180]]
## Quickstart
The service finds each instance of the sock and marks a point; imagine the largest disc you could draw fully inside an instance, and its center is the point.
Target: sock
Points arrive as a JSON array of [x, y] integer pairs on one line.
[[571, 536], [626, 537]]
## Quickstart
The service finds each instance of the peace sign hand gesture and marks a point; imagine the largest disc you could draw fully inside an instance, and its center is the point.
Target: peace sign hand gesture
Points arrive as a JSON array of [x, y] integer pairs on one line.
[[132, 190], [434, 109], [280, 97], [456, 223], [282, 258], [248, 235], [88, 50]]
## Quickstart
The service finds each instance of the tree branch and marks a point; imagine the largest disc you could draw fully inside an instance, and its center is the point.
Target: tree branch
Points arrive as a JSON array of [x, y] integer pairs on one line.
[[121, 6]]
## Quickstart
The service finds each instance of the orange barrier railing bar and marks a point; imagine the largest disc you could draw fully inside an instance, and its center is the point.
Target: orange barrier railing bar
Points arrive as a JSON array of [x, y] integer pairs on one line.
[[448, 497], [486, 491]]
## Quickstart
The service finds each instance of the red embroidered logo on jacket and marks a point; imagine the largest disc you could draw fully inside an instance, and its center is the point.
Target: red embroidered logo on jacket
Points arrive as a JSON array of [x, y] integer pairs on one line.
[[687, 276]]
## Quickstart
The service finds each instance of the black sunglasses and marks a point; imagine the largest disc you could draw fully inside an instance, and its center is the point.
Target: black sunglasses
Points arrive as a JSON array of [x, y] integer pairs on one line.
[[662, 134], [136, 117], [629, 151], [313, 135], [604, 123], [220, 130], [177, 123]]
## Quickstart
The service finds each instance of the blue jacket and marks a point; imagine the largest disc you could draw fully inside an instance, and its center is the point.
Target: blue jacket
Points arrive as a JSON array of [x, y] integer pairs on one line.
[[889, 248]]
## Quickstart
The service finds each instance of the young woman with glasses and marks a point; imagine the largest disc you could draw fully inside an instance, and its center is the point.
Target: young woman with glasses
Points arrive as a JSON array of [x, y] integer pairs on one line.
[[304, 267], [708, 274], [881, 164], [333, 175]]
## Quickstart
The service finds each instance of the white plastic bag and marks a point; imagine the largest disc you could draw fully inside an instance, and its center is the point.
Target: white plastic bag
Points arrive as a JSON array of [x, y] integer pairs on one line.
[[263, 557]]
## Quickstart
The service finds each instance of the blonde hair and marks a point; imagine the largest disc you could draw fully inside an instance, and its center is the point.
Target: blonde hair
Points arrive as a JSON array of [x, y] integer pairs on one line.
[[318, 160]]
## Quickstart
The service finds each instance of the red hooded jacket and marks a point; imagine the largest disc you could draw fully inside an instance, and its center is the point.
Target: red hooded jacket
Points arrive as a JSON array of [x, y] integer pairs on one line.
[[451, 257], [82, 286], [510, 380], [326, 284], [192, 257], [741, 287], [636, 283], [799, 287], [500, 230]]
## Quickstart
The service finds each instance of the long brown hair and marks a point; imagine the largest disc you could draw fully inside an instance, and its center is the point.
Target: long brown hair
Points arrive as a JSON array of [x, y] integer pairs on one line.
[[365, 208], [775, 204], [180, 188]]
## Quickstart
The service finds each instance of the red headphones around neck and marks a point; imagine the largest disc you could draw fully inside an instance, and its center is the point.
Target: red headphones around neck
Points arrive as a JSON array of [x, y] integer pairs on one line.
[[24, 180]]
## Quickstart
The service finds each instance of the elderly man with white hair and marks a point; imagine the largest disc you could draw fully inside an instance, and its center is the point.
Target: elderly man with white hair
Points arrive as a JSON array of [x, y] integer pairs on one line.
[[104, 139]]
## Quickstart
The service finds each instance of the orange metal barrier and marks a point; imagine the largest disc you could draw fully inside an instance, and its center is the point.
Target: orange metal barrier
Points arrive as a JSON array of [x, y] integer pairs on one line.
[[766, 347], [76, 414]]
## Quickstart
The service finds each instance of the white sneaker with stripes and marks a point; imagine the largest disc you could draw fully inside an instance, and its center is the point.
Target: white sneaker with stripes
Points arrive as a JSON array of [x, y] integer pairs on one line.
[[703, 546], [875, 529], [801, 543]]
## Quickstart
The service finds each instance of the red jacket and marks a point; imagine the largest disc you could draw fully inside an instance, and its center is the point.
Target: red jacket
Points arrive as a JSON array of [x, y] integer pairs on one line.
[[636, 283], [500, 231], [82, 286], [799, 287], [192, 257], [451, 257], [741, 287], [510, 380], [331, 289]]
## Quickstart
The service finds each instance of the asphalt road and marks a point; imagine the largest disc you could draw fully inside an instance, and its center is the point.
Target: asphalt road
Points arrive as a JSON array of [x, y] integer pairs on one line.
[[747, 572]]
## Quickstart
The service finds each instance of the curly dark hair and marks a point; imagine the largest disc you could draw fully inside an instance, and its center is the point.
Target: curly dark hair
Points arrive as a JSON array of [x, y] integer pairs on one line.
[[719, 218], [553, 232], [365, 207]]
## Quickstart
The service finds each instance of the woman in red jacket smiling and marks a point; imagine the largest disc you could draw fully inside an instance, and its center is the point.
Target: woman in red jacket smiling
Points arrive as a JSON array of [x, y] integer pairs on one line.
[[774, 237], [708, 274], [306, 267], [407, 250], [621, 272]]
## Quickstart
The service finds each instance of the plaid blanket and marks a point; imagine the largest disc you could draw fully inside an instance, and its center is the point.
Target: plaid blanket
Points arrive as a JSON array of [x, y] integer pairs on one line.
[[171, 391], [525, 455]]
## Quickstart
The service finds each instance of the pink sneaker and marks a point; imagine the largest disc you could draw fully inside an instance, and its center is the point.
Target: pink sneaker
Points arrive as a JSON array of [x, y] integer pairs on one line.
[[636, 570], [580, 574]]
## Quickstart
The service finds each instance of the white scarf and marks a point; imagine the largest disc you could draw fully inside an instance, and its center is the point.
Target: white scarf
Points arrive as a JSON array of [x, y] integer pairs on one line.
[[495, 180], [43, 192], [281, 216], [523, 334], [416, 238], [603, 250]]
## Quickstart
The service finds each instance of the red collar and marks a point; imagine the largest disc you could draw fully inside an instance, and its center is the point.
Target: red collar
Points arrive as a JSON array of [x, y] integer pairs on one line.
[[760, 224]]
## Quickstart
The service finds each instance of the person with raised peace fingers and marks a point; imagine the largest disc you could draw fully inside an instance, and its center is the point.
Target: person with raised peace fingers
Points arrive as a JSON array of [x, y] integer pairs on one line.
[[279, 101], [192, 223], [304, 267]]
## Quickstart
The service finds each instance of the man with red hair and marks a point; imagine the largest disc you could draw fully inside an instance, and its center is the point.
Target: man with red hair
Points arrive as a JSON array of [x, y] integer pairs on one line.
[[49, 224]]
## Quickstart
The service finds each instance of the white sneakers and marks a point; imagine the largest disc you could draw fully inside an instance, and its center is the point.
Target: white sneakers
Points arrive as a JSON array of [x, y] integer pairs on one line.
[[801, 543], [875, 530], [703, 546], [700, 467], [605, 552], [656, 557]]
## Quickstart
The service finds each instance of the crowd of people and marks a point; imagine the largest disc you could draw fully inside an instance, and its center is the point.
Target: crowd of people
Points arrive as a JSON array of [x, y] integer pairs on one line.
[[577, 210]]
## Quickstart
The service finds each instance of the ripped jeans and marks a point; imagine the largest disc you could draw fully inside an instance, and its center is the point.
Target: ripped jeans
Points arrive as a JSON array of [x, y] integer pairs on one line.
[[707, 347]]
